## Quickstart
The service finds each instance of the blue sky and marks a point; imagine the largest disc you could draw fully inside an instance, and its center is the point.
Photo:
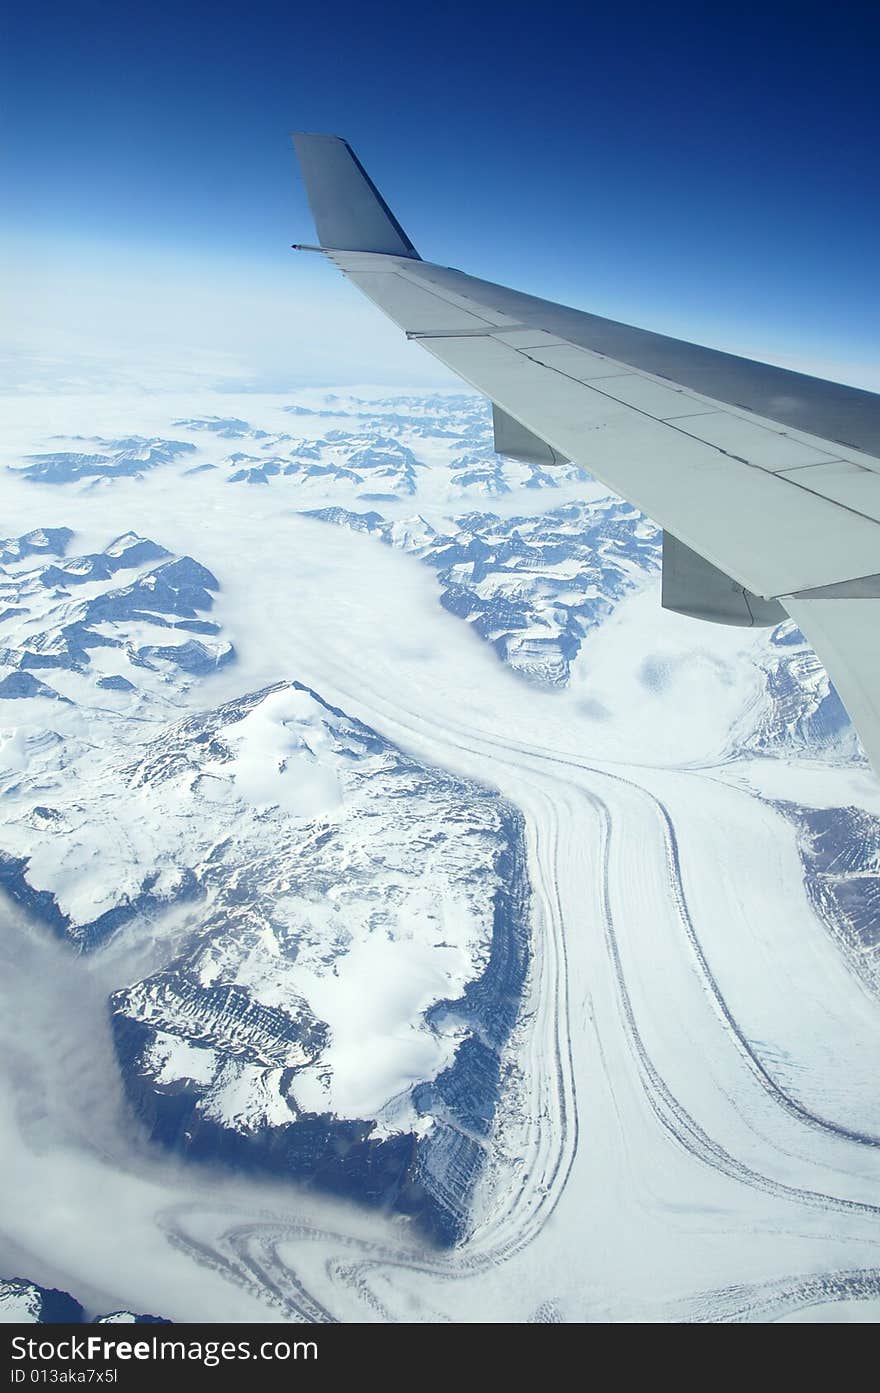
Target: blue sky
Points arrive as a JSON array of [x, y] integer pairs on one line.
[[707, 171]]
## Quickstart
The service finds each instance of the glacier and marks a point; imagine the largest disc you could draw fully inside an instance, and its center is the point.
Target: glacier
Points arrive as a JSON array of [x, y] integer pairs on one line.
[[408, 918]]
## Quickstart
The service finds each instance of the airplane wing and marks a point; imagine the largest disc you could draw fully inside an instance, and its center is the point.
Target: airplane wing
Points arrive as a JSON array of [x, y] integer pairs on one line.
[[766, 482]]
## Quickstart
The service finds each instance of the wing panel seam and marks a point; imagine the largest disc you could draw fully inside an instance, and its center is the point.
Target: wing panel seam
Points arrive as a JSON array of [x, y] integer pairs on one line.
[[670, 424]]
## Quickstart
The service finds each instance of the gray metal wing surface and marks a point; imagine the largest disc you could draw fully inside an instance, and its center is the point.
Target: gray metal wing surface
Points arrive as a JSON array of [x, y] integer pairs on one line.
[[768, 479]]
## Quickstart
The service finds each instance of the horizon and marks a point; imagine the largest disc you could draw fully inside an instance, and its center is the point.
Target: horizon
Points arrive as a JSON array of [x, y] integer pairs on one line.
[[150, 241]]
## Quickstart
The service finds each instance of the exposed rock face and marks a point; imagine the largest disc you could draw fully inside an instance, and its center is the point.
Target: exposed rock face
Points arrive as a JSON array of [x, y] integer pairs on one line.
[[244, 1049], [79, 614], [533, 586], [27, 1303], [799, 710], [352, 938], [840, 849]]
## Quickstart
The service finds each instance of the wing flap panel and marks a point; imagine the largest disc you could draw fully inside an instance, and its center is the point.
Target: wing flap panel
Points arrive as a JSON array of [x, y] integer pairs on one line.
[[516, 442], [693, 586]]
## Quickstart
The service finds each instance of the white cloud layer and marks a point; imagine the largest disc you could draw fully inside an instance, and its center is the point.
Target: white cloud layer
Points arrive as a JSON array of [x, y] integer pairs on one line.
[[84, 318]]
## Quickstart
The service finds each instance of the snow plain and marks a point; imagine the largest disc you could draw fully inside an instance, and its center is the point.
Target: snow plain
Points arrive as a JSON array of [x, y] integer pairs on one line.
[[691, 1129]]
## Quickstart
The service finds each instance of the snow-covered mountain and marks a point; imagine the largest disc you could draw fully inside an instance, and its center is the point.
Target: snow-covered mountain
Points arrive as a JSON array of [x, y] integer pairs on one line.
[[840, 851], [227, 427], [531, 586], [536, 586], [108, 459], [797, 711], [386, 450], [27, 1303], [355, 960], [127, 620], [351, 937]]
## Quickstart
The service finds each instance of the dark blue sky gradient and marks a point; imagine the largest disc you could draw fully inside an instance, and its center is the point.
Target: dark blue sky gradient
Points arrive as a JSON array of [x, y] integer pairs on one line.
[[709, 169]]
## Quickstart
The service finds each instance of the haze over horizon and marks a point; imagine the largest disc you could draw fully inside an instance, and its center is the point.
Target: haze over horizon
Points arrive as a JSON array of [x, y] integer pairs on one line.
[[703, 175]]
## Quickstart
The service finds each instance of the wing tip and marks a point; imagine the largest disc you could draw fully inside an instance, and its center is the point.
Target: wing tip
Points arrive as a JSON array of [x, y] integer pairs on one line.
[[348, 209], [318, 135]]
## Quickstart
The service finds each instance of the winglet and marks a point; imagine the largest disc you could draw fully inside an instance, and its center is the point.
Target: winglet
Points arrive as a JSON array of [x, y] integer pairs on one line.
[[350, 213]]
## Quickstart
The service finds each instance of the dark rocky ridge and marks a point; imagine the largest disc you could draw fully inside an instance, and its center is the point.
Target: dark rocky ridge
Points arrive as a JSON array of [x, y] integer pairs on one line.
[[840, 851]]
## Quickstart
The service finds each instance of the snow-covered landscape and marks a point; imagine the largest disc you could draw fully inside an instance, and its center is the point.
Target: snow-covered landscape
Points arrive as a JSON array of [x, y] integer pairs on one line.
[[407, 918]]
